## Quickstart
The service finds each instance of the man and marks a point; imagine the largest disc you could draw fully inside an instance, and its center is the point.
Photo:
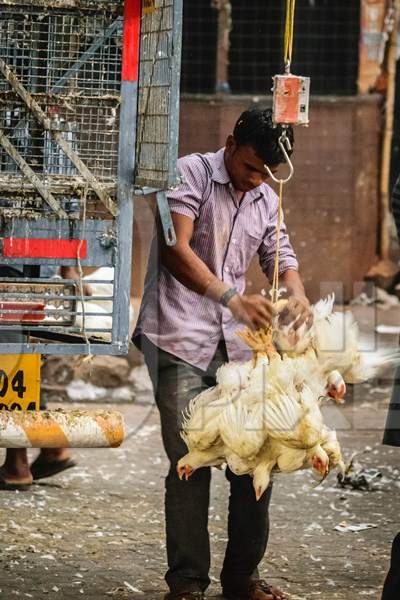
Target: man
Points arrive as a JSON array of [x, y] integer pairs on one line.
[[223, 213], [391, 588]]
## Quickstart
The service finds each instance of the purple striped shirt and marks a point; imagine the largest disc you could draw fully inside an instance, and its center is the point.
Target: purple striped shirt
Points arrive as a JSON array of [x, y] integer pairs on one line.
[[227, 234]]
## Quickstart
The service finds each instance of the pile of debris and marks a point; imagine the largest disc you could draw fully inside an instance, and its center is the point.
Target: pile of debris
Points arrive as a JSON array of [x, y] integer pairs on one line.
[[96, 379]]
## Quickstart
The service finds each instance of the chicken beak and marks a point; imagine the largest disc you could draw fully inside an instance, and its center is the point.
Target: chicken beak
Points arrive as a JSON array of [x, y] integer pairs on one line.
[[324, 475], [321, 466], [337, 393], [259, 493], [324, 469], [181, 471], [188, 472]]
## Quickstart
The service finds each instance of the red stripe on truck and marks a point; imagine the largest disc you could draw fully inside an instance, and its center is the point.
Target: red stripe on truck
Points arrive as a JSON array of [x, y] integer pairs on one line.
[[131, 40], [44, 248], [19, 311]]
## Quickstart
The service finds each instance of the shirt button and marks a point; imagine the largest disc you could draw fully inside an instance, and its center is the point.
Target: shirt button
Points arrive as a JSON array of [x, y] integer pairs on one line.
[[234, 241], [226, 269]]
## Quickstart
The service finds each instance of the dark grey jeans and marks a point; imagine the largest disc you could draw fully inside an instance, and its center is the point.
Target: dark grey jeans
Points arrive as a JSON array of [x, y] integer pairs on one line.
[[391, 587], [391, 435], [175, 382]]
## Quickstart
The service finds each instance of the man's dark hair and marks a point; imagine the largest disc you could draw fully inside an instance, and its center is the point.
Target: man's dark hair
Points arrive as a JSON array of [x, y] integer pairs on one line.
[[255, 128]]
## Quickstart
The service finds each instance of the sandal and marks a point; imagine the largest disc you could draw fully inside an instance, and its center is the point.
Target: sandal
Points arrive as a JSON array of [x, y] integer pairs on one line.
[[41, 468]]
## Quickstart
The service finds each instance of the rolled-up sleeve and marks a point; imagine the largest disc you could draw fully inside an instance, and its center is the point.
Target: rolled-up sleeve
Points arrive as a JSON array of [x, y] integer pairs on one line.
[[187, 197], [267, 249]]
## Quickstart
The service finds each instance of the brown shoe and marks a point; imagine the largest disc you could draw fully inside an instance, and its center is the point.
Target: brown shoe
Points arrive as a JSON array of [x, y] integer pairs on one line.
[[184, 596], [254, 589]]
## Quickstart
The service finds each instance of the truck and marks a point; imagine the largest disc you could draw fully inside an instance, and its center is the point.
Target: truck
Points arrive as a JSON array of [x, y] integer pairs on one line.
[[89, 113]]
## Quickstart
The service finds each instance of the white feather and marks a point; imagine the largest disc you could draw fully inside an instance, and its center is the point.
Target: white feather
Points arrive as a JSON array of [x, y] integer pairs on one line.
[[102, 319], [200, 425], [366, 365], [323, 308], [233, 376], [241, 429]]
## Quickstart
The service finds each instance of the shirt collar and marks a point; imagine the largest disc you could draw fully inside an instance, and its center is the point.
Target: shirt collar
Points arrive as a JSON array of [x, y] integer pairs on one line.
[[219, 172], [221, 175]]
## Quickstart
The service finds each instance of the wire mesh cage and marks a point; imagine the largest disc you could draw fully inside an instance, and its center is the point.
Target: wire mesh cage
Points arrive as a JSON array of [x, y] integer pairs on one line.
[[157, 134], [68, 61], [326, 45], [60, 79]]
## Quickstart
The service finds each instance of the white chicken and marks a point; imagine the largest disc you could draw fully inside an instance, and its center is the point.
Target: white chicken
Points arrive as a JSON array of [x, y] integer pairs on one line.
[[96, 314], [332, 447], [275, 456], [291, 373], [272, 420], [234, 376], [239, 466], [295, 342], [201, 420], [241, 429], [210, 423], [195, 459], [336, 341], [264, 416], [295, 421], [334, 336]]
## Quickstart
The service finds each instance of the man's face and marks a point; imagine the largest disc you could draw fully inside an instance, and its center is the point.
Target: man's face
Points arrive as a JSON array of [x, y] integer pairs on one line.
[[245, 168]]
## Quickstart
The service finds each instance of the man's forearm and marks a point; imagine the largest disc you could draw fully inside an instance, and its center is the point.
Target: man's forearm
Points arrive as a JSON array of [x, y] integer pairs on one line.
[[69, 273], [192, 272], [291, 280], [184, 264]]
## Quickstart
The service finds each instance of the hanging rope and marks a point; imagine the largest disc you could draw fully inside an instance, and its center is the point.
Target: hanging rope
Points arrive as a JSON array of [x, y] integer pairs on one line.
[[288, 38], [285, 147], [89, 355], [283, 140], [275, 278]]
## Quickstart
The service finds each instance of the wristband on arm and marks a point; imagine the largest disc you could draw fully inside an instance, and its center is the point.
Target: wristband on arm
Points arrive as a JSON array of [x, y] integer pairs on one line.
[[227, 296]]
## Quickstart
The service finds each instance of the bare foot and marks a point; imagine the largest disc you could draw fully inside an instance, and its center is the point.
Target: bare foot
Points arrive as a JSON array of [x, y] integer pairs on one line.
[[16, 467], [10, 478]]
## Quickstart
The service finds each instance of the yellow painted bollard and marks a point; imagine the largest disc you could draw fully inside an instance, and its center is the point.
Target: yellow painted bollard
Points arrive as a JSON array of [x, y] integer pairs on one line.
[[61, 429]]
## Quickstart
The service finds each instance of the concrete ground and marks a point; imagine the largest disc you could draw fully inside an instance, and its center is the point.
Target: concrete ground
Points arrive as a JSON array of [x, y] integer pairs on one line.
[[97, 531]]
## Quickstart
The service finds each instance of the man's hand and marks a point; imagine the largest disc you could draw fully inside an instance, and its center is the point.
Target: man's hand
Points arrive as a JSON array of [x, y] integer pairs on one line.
[[254, 310], [296, 312]]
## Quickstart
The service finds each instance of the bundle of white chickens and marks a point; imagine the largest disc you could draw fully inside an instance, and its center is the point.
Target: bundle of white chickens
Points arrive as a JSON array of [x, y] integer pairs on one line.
[[264, 416]]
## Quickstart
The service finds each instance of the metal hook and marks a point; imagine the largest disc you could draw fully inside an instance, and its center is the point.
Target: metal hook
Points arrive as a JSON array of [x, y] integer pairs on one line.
[[281, 141]]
